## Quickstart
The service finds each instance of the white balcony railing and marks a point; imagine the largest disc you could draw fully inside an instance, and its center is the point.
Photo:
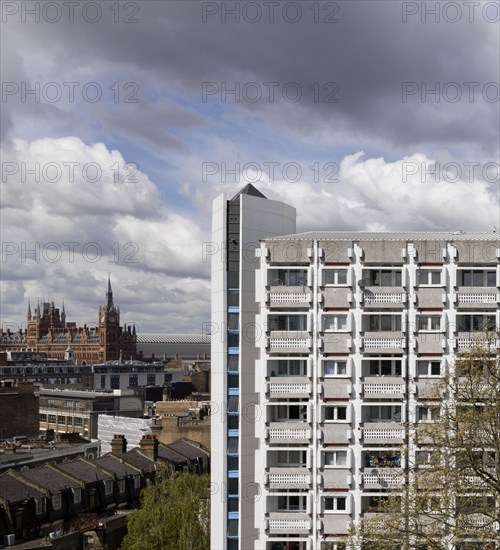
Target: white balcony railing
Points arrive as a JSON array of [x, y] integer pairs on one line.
[[289, 480], [382, 298], [276, 298], [289, 433], [383, 434], [289, 387], [384, 343], [283, 343], [386, 480], [382, 388], [476, 298], [285, 525]]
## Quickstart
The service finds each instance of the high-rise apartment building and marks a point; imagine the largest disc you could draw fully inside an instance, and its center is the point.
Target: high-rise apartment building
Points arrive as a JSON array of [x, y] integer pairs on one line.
[[345, 339]]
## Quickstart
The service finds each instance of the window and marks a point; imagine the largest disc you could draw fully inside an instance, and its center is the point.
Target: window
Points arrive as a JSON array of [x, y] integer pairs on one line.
[[291, 458], [427, 414], [335, 413], [232, 363], [334, 368], [429, 323], [294, 503], [233, 339], [291, 367], [232, 404], [232, 463], [233, 381], [56, 501], [282, 413], [429, 368], [115, 382], [233, 486], [103, 381], [471, 277], [469, 323], [61, 420], [382, 323], [335, 504], [429, 277], [232, 445], [382, 367], [41, 505], [335, 277], [233, 321], [383, 413], [425, 458], [335, 322], [287, 322], [335, 458], [133, 380], [52, 418], [43, 417], [121, 485], [77, 495], [78, 421], [137, 482], [233, 422], [108, 486], [382, 459], [151, 379], [288, 277], [382, 277], [232, 527]]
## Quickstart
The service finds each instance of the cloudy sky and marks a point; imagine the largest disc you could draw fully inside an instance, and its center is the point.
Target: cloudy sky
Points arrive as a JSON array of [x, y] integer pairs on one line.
[[121, 121]]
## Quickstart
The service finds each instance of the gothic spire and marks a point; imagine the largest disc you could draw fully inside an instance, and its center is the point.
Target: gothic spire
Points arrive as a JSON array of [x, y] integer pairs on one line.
[[109, 296], [28, 315]]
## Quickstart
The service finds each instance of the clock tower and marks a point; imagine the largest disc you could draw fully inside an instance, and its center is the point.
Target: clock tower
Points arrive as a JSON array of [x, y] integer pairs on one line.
[[109, 327]]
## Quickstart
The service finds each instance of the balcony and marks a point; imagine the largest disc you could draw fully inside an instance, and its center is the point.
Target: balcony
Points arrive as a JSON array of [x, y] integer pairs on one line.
[[430, 342], [336, 478], [383, 386], [335, 524], [379, 478], [289, 478], [289, 341], [289, 522], [383, 342], [289, 387], [289, 432], [289, 297], [467, 340], [382, 432], [336, 342], [472, 297], [384, 297]]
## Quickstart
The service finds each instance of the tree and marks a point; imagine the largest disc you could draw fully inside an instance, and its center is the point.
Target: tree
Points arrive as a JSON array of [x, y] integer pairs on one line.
[[174, 514], [450, 497]]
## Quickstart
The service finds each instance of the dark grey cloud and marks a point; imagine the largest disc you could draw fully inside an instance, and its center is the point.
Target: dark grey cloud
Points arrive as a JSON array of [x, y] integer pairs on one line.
[[369, 53]]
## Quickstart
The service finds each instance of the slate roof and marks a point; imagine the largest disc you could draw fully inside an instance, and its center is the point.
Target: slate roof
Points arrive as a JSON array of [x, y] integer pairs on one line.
[[83, 470], [15, 490], [50, 478], [139, 460], [113, 464]]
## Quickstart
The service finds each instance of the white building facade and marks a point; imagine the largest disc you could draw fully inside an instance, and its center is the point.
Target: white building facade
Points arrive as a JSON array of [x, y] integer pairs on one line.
[[347, 335]]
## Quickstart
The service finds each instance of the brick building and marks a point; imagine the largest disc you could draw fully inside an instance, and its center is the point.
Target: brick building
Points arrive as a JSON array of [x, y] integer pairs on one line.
[[48, 331]]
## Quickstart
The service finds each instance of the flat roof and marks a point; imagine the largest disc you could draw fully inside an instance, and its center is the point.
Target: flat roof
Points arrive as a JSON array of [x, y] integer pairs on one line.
[[390, 236]]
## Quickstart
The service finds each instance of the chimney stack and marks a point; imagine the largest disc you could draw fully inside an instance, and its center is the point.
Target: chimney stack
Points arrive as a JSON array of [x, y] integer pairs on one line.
[[149, 446], [118, 444]]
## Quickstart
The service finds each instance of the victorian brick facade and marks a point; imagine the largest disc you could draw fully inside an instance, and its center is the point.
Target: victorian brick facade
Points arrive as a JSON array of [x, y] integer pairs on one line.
[[48, 331]]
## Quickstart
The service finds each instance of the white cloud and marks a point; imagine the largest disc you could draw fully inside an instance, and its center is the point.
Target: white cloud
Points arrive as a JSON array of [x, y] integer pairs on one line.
[[62, 237]]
